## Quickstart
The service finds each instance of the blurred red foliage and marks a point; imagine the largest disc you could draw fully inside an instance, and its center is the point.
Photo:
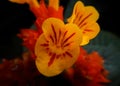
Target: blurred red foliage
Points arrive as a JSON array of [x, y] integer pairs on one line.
[[88, 70]]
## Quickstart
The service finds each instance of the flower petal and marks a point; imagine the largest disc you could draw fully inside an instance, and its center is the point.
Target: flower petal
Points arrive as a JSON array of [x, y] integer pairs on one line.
[[92, 30], [85, 18], [58, 47], [85, 40], [83, 14]]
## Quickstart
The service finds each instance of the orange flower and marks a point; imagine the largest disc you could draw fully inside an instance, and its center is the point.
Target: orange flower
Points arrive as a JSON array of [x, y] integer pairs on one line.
[[85, 17], [57, 48]]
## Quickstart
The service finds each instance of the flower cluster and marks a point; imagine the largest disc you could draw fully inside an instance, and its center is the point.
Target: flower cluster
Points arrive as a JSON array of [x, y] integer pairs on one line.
[[56, 45]]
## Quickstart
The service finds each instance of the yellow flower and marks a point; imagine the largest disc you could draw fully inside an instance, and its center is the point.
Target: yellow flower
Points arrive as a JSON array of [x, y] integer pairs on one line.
[[57, 48], [85, 18]]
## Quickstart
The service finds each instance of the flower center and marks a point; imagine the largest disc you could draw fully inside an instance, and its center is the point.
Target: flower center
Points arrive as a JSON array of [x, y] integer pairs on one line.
[[57, 48]]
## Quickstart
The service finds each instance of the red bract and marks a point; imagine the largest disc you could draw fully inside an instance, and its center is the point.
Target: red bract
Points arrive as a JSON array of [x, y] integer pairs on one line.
[[29, 38], [43, 12], [88, 70], [18, 71]]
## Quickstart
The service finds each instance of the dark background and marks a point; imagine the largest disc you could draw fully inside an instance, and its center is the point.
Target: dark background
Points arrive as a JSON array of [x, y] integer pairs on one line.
[[13, 17]]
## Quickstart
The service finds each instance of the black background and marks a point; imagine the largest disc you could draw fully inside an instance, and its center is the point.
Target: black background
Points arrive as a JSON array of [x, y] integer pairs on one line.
[[13, 17]]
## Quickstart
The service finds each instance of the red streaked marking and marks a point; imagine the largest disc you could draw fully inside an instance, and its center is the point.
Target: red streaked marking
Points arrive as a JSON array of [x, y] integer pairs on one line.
[[58, 56], [52, 59], [85, 19], [63, 38], [76, 10], [63, 54], [83, 24], [68, 38], [47, 41], [59, 35], [79, 17], [44, 44], [87, 30], [50, 53], [69, 54], [65, 34], [67, 44], [47, 48], [55, 35], [52, 38]]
